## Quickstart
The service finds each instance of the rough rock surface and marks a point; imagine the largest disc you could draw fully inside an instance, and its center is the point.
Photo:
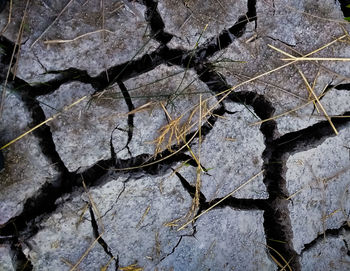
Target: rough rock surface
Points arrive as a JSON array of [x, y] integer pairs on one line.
[[330, 254], [26, 169], [320, 199], [123, 153], [86, 46], [217, 231], [239, 148], [5, 258]]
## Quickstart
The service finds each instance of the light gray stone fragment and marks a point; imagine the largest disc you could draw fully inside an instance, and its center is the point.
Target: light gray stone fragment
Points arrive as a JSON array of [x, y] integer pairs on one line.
[[225, 240], [231, 154], [329, 254], [135, 215], [5, 258], [187, 19], [125, 34], [64, 238], [177, 90], [26, 168], [82, 133], [137, 218], [318, 183]]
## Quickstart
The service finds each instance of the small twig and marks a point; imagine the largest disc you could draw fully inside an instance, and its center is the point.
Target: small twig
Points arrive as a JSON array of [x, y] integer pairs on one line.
[[317, 59], [78, 37], [318, 101], [54, 21], [8, 20], [3, 95], [86, 253], [42, 123]]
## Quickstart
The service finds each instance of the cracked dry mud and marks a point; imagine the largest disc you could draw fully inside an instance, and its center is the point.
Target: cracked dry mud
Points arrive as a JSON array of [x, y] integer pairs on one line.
[[91, 189]]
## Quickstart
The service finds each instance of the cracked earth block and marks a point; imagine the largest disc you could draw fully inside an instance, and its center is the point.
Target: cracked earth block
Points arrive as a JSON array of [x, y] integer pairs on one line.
[[231, 154], [318, 182], [133, 212], [6, 258], [82, 134], [186, 20], [225, 239], [329, 254], [63, 239], [26, 167], [179, 92], [285, 28], [126, 35]]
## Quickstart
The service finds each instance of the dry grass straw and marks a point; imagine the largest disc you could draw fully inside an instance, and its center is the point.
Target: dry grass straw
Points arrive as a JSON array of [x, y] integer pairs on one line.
[[143, 216], [66, 108], [54, 21], [93, 205], [224, 94], [280, 265], [318, 101], [285, 113], [67, 262], [95, 210], [105, 268], [132, 267], [59, 41], [86, 253], [8, 19], [17, 45]]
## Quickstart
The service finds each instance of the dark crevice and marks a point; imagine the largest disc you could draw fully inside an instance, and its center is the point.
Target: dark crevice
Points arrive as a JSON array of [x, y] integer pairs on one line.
[[344, 7], [131, 107], [163, 165], [173, 250], [309, 137], [191, 190], [116, 73], [341, 86], [43, 203], [226, 37], [347, 247], [100, 240], [327, 233], [277, 224], [19, 261], [156, 22], [235, 203], [141, 161], [111, 147], [239, 204]]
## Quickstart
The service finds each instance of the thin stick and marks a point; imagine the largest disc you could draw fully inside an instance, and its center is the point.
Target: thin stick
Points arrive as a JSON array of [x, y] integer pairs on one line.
[[214, 205], [86, 253], [19, 40], [3, 95], [317, 59], [54, 21], [42, 123], [8, 20], [283, 114], [78, 37], [319, 103]]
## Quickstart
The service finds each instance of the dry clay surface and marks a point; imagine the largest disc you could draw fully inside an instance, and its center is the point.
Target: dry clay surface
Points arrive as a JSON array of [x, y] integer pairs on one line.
[[180, 135]]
